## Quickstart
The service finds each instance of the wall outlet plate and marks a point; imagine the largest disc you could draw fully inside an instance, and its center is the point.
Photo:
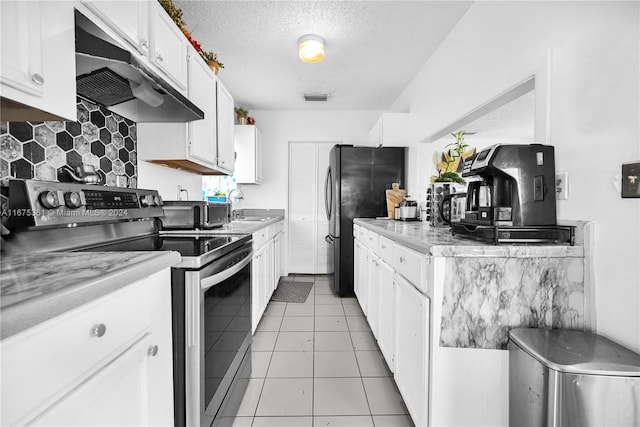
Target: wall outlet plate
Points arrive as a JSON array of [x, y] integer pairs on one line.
[[630, 180], [562, 186]]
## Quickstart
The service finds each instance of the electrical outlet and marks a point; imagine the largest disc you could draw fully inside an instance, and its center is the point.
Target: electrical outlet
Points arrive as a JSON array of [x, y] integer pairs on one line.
[[631, 179], [562, 186]]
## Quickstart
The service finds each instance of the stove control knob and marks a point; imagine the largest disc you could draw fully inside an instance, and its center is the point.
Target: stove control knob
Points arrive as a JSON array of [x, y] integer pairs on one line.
[[156, 201], [50, 199], [73, 199], [144, 201]]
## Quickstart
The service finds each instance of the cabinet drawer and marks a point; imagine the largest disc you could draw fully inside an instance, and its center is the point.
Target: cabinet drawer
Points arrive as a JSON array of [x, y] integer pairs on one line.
[[44, 363], [372, 241], [277, 227], [260, 237], [385, 249], [410, 264]]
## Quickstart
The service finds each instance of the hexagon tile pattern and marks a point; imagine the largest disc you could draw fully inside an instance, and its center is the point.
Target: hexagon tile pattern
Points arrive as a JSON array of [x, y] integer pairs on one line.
[[35, 150]]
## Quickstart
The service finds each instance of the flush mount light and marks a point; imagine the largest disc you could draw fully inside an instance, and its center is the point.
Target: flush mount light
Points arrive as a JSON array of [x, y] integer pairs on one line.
[[311, 48]]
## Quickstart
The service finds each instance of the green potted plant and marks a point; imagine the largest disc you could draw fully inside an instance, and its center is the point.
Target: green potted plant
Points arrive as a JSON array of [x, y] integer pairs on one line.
[[241, 113], [211, 60], [449, 161]]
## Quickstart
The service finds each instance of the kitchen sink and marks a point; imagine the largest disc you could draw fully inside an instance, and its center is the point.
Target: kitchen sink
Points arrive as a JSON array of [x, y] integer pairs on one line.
[[252, 218]]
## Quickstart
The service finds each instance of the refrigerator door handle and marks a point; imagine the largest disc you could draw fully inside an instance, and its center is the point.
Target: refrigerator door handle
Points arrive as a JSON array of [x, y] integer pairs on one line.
[[328, 193]]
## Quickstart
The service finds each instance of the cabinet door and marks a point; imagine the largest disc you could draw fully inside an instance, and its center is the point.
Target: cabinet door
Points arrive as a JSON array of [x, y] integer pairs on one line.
[[22, 46], [412, 349], [167, 47], [247, 154], [269, 276], [120, 384], [225, 115], [130, 19], [386, 312], [203, 136], [258, 286], [277, 252], [373, 271], [363, 275], [258, 155], [357, 279]]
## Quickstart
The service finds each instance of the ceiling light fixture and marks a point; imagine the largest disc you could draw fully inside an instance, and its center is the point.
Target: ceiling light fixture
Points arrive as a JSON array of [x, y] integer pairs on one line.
[[311, 48]]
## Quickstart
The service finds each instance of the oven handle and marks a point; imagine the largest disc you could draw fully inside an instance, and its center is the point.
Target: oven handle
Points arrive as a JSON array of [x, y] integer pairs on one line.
[[217, 278]]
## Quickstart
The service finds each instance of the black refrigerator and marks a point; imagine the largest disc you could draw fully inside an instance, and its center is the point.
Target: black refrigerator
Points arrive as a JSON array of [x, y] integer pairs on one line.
[[355, 186]]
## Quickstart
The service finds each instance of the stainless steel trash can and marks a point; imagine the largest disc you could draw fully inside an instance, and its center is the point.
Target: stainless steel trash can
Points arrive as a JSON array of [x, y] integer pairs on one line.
[[571, 378]]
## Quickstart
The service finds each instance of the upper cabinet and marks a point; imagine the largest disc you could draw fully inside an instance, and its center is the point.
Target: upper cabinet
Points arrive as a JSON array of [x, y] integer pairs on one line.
[[392, 130], [248, 141], [129, 19], [37, 75], [225, 116], [167, 46]]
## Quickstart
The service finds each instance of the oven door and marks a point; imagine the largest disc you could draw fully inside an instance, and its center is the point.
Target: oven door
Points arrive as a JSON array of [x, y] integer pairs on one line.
[[217, 333]]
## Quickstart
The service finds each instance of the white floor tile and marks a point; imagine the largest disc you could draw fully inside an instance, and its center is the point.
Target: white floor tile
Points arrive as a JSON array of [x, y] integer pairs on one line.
[[358, 323], [363, 341], [327, 299], [299, 310], [349, 301], [393, 421], [297, 324], [291, 364], [286, 397], [275, 310], [294, 341], [331, 323], [251, 396], [260, 363], [264, 341], [323, 289], [269, 324], [335, 364], [283, 422], [372, 364], [343, 421], [339, 396], [332, 341], [353, 310], [383, 396], [329, 310]]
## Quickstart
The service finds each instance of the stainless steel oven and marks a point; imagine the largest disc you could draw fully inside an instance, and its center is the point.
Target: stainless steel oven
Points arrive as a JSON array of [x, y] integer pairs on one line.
[[211, 287]]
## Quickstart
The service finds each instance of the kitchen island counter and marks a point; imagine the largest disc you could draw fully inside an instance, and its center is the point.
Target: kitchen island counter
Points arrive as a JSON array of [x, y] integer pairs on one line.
[[439, 242], [38, 287]]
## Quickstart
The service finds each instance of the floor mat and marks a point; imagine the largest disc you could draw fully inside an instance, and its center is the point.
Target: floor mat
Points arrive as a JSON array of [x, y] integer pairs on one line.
[[289, 291]]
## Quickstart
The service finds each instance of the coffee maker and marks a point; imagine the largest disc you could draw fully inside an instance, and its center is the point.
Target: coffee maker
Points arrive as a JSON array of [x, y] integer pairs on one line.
[[511, 195]]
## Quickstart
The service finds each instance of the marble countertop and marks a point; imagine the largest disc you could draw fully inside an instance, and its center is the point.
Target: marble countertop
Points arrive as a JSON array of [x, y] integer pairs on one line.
[[439, 242], [237, 226], [38, 287]]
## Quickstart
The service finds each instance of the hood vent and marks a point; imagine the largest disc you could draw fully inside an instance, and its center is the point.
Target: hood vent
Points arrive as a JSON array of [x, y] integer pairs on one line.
[[321, 97], [115, 78]]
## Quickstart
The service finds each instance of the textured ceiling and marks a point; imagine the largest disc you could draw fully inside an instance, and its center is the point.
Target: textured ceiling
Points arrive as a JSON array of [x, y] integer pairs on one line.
[[373, 48]]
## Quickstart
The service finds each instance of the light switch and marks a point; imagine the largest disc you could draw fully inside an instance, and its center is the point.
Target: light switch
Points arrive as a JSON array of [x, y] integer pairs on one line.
[[631, 179]]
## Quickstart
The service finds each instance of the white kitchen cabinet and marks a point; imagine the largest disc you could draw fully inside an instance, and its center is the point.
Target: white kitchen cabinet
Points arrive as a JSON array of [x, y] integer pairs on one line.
[[362, 288], [167, 46], [386, 334], [265, 263], [114, 352], [248, 144], [202, 146], [412, 349], [225, 115], [277, 258], [392, 130], [129, 19], [37, 74], [373, 270]]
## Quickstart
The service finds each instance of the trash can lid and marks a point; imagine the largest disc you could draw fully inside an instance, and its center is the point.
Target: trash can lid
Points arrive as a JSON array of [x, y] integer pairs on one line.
[[577, 352]]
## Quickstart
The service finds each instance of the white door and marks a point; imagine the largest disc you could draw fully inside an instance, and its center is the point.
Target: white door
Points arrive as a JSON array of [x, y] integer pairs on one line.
[[308, 225], [412, 349]]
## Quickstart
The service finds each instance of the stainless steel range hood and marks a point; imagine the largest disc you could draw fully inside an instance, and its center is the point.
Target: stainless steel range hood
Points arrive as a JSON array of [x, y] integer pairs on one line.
[[114, 77]]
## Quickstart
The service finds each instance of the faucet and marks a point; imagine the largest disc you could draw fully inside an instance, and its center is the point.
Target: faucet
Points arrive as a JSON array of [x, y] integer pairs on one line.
[[240, 197], [180, 191], [234, 213]]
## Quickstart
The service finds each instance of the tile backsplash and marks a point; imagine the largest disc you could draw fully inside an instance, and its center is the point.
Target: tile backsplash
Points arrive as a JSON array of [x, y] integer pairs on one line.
[[35, 150]]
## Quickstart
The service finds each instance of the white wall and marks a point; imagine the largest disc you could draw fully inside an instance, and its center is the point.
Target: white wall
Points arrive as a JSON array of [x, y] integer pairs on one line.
[[595, 111], [166, 180]]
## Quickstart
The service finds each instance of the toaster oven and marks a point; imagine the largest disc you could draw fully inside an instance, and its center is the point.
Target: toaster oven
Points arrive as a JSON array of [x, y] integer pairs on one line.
[[191, 215]]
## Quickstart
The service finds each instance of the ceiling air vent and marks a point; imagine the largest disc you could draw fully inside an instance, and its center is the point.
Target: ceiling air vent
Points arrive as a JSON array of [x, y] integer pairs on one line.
[[315, 97]]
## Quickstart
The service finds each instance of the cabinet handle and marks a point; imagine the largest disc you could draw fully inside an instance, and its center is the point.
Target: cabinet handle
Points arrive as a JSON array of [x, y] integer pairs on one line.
[[144, 43], [384, 247], [152, 350], [402, 259], [98, 330], [37, 79], [159, 57]]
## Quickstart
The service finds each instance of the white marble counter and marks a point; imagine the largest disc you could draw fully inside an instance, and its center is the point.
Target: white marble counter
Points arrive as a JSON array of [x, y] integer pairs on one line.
[[439, 242], [37, 287]]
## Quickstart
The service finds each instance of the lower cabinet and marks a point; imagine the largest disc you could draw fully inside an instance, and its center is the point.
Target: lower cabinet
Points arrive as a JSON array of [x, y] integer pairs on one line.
[[412, 349], [373, 271], [387, 313], [74, 369], [265, 270]]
